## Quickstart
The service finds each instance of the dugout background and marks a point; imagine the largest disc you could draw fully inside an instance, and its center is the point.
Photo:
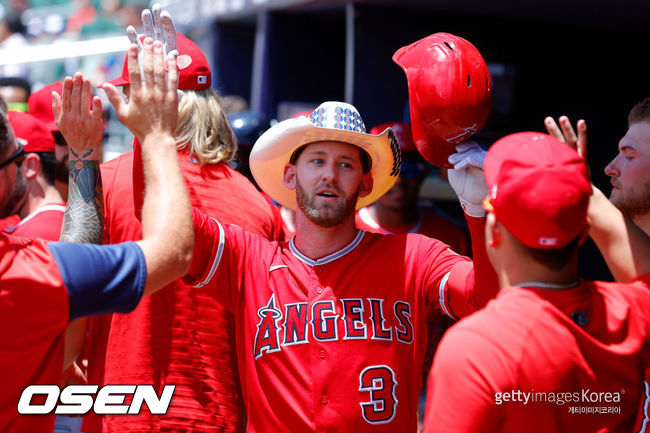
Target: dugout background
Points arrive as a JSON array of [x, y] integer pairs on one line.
[[586, 59]]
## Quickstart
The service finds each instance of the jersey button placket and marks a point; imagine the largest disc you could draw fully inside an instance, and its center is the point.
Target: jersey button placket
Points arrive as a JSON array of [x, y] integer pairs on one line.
[[318, 288]]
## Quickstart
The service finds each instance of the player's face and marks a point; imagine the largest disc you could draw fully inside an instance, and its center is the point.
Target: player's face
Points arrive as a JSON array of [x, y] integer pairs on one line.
[[404, 194], [630, 172], [328, 180], [13, 188]]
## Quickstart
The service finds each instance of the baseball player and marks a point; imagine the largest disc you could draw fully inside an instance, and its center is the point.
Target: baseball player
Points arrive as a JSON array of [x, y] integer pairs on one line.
[[40, 205], [332, 324], [44, 285], [622, 239], [39, 105], [398, 211], [35, 198], [552, 353], [181, 335], [630, 169]]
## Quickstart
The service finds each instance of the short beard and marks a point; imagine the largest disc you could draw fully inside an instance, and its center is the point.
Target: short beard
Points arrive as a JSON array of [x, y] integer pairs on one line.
[[327, 216], [18, 196], [61, 171], [635, 203]]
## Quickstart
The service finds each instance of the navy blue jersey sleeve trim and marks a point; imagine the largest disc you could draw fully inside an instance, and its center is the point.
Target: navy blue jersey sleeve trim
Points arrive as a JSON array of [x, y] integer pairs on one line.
[[101, 278]]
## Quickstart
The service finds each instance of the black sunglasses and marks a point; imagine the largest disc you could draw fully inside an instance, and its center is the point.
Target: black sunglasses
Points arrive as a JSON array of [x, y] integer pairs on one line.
[[18, 156]]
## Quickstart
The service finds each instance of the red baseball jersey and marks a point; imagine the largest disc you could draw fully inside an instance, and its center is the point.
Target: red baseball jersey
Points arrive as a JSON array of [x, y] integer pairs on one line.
[[178, 336], [42, 287], [10, 221], [429, 224], [333, 344], [536, 360], [44, 223]]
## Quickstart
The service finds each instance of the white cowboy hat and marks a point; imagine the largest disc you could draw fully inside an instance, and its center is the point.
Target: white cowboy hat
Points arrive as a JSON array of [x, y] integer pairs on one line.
[[331, 121]]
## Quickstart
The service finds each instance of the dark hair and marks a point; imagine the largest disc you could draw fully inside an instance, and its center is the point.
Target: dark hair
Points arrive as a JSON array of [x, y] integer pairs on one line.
[[6, 135], [16, 82], [556, 258], [366, 161], [59, 138], [640, 112], [48, 164], [3, 106]]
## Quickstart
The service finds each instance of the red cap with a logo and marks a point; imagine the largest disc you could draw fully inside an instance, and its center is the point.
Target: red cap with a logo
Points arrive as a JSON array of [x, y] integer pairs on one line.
[[539, 189], [193, 68], [30, 132], [39, 104]]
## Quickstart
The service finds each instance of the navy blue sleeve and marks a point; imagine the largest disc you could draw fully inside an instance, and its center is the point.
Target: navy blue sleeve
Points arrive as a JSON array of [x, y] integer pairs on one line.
[[101, 278]]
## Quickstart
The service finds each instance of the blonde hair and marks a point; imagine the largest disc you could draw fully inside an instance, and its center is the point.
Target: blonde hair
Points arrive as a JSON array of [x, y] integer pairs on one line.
[[203, 126]]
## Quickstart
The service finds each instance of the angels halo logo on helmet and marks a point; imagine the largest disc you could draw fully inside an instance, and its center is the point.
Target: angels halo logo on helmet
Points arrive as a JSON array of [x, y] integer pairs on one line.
[[450, 93]]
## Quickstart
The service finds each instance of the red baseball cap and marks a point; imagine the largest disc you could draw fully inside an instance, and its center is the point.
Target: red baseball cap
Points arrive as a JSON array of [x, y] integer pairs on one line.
[[30, 132], [412, 165], [450, 93], [302, 113], [539, 189], [193, 68], [39, 104], [402, 133]]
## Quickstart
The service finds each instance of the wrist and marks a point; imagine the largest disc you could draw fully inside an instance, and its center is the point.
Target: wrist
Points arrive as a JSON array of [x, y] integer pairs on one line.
[[473, 209], [86, 155], [80, 164], [158, 139]]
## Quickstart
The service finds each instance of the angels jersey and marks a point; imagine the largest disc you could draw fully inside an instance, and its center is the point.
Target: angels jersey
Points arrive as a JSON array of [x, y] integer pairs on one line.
[[333, 344], [42, 287], [429, 224], [179, 335], [44, 223], [539, 360]]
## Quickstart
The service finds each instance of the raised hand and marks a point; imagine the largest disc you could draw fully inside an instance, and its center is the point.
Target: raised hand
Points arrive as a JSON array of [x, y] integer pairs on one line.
[[79, 117], [566, 133], [159, 26], [467, 179], [80, 121], [153, 102]]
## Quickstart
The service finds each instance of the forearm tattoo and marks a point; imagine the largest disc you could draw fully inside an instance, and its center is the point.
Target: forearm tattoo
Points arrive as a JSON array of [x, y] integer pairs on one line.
[[84, 215]]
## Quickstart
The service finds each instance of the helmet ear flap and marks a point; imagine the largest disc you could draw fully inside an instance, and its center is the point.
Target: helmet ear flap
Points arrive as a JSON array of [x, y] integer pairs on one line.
[[450, 93]]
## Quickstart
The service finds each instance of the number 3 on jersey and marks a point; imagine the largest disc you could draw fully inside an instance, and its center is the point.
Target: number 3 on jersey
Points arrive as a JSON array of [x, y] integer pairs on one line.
[[379, 381]]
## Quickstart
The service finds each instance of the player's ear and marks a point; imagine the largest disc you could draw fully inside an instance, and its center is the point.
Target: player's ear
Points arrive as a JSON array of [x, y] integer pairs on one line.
[[289, 177], [493, 233], [366, 185], [32, 165]]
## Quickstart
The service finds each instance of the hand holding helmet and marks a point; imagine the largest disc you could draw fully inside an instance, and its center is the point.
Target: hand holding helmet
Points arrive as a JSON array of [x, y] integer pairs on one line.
[[467, 178]]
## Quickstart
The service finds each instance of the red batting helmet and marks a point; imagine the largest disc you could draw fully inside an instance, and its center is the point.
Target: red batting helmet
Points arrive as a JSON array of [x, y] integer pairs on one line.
[[450, 93]]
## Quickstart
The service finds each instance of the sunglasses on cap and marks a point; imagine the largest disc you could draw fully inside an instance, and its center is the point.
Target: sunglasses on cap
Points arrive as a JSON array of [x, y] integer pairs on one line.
[[18, 157]]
